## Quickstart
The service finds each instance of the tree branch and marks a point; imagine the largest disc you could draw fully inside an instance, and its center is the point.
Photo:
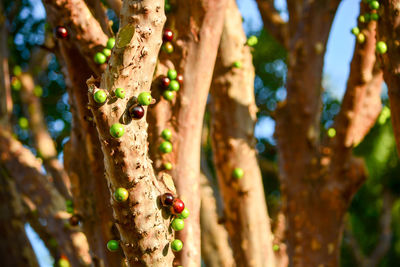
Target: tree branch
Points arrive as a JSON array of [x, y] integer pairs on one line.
[[116, 5], [99, 12]]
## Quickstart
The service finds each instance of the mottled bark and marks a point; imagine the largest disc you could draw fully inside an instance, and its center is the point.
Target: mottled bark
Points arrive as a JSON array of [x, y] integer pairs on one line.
[[389, 32], [144, 229], [22, 165], [215, 248], [5, 94], [233, 115]]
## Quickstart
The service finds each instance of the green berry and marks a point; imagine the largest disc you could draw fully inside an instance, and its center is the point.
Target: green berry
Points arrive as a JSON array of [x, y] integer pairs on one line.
[[361, 19], [168, 95], [275, 247], [38, 91], [237, 64], [360, 38], [355, 31], [252, 40], [165, 147], [120, 93], [16, 84], [110, 43], [381, 47], [166, 134], [331, 132], [144, 98], [63, 263], [99, 58], [374, 5], [172, 74], [374, 16], [23, 123], [184, 214], [107, 52], [112, 245], [367, 17], [177, 224], [174, 85], [176, 245], [100, 96], [168, 166], [168, 47], [238, 173], [121, 194], [117, 130], [17, 70]]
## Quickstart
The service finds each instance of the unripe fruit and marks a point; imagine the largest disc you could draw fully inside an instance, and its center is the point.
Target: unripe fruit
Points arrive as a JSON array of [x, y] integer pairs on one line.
[[120, 93], [112, 245], [100, 96], [16, 84], [166, 134], [165, 147], [374, 5], [136, 112], [61, 32], [23, 123], [252, 40], [165, 81], [177, 206], [168, 35], [177, 224], [172, 74], [99, 58], [174, 86], [168, 95], [237, 173], [117, 130], [374, 16], [176, 245], [168, 166], [237, 64], [381, 47], [121, 194], [144, 98], [111, 43], [362, 19], [17, 70], [184, 214], [167, 199], [168, 47], [107, 52], [62, 262], [38, 91], [179, 78], [355, 31], [360, 38]]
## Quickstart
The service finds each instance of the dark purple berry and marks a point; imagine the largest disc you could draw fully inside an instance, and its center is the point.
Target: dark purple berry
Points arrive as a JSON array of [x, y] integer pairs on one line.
[[165, 81], [137, 112], [74, 220], [167, 199]]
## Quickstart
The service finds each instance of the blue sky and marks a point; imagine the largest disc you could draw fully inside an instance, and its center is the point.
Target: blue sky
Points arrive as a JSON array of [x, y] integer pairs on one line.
[[337, 67]]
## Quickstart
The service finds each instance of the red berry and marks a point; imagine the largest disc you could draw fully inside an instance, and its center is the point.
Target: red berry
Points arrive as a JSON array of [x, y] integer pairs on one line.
[[167, 199], [61, 32], [177, 206], [165, 82], [137, 112], [168, 35], [179, 78]]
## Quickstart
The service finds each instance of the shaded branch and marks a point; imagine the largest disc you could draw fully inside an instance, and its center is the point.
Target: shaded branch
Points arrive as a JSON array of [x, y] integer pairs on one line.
[[99, 12], [116, 5]]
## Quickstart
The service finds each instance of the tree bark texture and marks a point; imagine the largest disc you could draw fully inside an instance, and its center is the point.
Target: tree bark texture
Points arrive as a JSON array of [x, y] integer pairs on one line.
[[144, 228], [233, 115]]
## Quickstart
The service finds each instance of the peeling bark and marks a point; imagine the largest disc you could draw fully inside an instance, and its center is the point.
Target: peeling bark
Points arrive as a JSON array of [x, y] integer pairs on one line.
[[233, 115], [144, 230]]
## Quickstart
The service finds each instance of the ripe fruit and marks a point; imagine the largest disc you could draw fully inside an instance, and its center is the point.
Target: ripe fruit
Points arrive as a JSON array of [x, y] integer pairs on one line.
[[168, 47], [172, 74], [110, 43], [166, 134], [100, 96], [179, 78], [374, 5], [168, 95], [174, 85], [165, 82], [237, 64], [252, 40], [112, 245], [168, 166], [184, 214], [355, 31], [74, 220], [381, 47], [121, 194], [361, 38], [176, 245], [144, 98], [165, 147], [100, 58], [168, 35], [136, 112], [237, 173], [120, 93], [167, 199], [107, 52], [177, 224], [177, 206], [61, 32], [117, 130]]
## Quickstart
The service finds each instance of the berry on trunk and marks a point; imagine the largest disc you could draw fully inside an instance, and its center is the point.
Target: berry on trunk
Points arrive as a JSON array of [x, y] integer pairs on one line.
[[100, 96], [120, 93], [168, 47], [166, 134], [168, 166], [117, 130], [100, 58], [172, 74], [112, 245], [61, 32], [144, 98], [167, 199], [381, 47], [252, 40], [174, 85], [111, 43], [168, 95], [355, 30], [165, 147], [237, 173], [136, 112], [74, 220], [237, 64], [168, 35], [121, 194], [360, 38], [107, 52], [179, 78], [177, 206], [374, 5], [176, 245], [184, 214], [165, 82], [178, 224]]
